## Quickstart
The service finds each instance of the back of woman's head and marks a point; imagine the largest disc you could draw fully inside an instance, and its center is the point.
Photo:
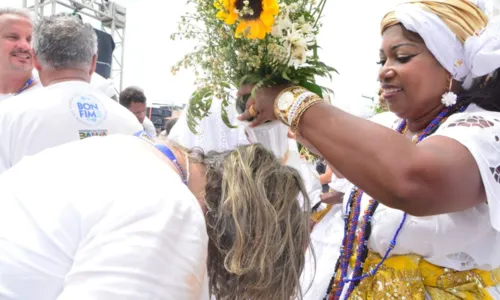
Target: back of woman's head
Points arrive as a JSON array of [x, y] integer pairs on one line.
[[257, 228]]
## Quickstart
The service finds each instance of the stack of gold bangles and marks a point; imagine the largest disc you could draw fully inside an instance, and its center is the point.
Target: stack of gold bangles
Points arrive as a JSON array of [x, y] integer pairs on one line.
[[291, 104]]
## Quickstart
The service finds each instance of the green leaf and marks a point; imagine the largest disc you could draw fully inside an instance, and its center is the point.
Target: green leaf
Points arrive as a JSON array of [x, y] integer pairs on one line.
[[198, 108], [225, 116], [312, 87], [285, 75]]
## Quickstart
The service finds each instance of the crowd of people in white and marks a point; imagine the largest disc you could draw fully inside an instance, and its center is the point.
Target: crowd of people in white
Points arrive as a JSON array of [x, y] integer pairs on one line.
[[95, 203]]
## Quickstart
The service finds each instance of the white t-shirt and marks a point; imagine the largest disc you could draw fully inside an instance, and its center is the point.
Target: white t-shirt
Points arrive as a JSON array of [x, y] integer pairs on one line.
[[149, 127], [307, 171], [77, 223], [5, 97], [35, 85], [104, 85], [57, 114]]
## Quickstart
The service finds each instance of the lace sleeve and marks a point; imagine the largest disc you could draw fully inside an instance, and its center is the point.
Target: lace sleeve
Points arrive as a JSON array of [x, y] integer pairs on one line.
[[479, 132]]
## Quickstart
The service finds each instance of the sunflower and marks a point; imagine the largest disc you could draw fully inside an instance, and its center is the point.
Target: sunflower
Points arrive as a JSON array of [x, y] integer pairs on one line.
[[255, 17], [227, 11]]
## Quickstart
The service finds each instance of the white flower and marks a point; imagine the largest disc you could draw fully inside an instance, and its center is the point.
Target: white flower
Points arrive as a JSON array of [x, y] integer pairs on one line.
[[278, 52], [281, 23], [301, 20], [295, 38], [293, 7], [449, 99], [306, 28], [298, 57], [277, 31]]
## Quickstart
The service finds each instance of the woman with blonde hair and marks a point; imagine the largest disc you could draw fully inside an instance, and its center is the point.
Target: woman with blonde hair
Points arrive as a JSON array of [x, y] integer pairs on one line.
[[422, 219], [78, 222]]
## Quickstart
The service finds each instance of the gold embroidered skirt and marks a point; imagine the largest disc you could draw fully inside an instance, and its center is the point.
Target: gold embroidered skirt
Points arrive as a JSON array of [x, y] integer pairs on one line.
[[410, 277]]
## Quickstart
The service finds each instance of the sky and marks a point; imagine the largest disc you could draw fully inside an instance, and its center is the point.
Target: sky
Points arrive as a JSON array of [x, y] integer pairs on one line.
[[350, 40]]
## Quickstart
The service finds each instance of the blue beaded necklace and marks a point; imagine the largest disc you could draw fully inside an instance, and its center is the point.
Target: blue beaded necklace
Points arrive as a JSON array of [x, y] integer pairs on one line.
[[166, 151], [351, 219], [26, 85]]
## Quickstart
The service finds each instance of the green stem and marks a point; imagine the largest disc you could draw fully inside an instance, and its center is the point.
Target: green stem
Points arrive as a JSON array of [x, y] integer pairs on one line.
[[322, 5]]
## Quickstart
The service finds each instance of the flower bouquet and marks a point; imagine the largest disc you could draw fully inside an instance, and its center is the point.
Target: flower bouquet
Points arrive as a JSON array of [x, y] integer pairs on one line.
[[260, 42]]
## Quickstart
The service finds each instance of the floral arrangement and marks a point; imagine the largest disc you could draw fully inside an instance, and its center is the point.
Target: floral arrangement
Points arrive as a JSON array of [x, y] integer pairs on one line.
[[260, 42]]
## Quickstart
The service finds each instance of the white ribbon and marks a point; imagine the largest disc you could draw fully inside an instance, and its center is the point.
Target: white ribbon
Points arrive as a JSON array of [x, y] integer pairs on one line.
[[478, 56]]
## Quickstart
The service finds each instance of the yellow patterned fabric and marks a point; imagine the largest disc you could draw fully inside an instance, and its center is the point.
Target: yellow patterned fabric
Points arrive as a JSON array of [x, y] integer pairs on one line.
[[410, 277], [319, 215], [462, 17]]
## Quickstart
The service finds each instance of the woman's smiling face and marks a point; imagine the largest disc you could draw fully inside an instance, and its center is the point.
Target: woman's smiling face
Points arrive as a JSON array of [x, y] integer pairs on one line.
[[411, 78]]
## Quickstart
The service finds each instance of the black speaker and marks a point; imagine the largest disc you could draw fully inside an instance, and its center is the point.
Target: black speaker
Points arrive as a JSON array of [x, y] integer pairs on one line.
[[105, 53]]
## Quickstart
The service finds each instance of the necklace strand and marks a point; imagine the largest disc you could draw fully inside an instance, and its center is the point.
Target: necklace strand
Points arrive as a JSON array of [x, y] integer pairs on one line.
[[351, 219], [186, 159]]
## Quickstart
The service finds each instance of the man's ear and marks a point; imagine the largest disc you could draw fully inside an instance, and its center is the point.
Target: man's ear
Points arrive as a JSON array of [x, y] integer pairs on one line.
[[93, 65], [36, 62]]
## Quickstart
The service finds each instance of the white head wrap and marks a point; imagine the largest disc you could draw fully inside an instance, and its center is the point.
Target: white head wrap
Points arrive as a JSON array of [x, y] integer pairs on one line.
[[478, 56]]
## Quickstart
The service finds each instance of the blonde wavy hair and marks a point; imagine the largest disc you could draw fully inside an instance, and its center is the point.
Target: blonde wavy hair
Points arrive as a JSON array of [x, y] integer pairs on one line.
[[258, 231]]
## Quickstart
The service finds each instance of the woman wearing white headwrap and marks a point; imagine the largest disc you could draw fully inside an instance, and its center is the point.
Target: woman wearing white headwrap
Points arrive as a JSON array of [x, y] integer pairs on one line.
[[422, 220]]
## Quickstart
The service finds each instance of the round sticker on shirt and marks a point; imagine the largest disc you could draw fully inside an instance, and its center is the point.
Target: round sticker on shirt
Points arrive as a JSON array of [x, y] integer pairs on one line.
[[88, 109]]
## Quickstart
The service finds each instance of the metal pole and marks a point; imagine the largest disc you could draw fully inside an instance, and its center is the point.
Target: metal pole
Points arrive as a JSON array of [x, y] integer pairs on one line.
[[54, 5], [40, 5], [42, 8], [37, 6], [113, 29], [87, 7], [71, 7], [123, 57]]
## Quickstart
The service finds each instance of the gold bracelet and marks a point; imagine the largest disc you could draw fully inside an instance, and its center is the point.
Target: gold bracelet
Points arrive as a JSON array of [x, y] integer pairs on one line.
[[283, 114], [308, 103], [296, 123]]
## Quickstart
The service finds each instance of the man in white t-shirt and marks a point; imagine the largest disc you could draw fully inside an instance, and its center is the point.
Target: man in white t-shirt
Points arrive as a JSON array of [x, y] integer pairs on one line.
[[68, 108], [149, 127], [87, 236], [15, 52], [134, 99]]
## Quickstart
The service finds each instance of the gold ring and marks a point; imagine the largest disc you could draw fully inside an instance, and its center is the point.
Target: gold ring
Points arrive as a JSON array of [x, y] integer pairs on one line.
[[252, 112]]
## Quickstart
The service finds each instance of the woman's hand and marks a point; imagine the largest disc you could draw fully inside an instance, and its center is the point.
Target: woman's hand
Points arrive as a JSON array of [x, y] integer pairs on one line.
[[332, 197], [262, 102]]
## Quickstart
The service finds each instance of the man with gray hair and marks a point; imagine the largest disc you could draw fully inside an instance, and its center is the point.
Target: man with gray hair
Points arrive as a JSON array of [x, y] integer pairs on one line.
[[68, 108], [16, 61]]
